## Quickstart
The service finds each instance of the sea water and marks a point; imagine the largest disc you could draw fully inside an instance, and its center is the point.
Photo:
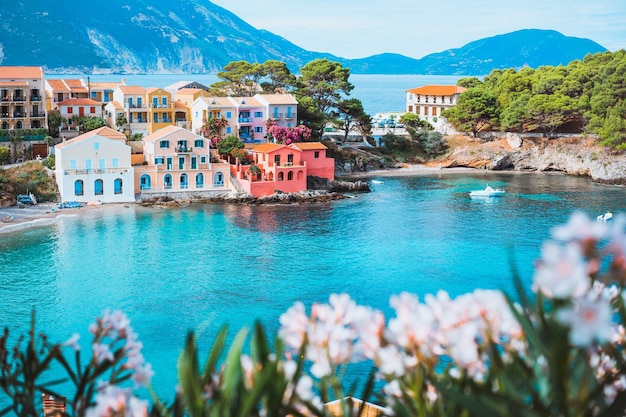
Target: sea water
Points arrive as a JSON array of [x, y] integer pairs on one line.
[[202, 266]]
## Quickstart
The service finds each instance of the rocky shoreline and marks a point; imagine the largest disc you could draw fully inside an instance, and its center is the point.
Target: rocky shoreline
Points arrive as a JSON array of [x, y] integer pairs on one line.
[[569, 155]]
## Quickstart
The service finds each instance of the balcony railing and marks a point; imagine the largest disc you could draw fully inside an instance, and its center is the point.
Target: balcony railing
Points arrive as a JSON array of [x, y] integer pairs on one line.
[[183, 149], [37, 114], [95, 171], [19, 98], [245, 120], [35, 98]]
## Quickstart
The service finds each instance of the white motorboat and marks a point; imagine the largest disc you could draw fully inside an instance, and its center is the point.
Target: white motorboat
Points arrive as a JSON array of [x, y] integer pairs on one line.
[[605, 217], [487, 192]]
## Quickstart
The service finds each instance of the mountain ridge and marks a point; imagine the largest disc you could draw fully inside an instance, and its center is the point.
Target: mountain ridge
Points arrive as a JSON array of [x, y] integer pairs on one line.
[[198, 36]]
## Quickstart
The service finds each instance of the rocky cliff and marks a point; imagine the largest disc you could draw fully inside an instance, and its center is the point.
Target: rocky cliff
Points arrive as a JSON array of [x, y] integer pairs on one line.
[[572, 155]]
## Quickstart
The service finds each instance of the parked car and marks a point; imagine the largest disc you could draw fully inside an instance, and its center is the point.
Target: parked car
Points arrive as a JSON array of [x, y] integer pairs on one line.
[[24, 200]]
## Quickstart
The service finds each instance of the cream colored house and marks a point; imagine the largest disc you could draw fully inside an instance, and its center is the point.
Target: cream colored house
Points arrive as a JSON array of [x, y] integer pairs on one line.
[[179, 161], [429, 101], [95, 166]]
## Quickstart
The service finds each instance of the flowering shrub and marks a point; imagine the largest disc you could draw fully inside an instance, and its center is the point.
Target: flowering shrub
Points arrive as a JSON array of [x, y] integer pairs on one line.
[[213, 129], [558, 351], [286, 135]]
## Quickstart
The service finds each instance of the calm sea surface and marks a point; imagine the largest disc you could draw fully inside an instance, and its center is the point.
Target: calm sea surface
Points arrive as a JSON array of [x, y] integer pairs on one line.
[[378, 93], [203, 266]]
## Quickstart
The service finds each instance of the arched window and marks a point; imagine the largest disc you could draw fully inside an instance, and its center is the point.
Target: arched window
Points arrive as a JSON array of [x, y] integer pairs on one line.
[[167, 181], [98, 187], [300, 175], [281, 176], [290, 176], [117, 186], [270, 176], [184, 181], [5, 125], [78, 187], [145, 182], [199, 180], [218, 180], [18, 125]]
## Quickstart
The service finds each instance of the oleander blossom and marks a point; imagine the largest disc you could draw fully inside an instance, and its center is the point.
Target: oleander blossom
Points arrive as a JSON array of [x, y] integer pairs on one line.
[[118, 402]]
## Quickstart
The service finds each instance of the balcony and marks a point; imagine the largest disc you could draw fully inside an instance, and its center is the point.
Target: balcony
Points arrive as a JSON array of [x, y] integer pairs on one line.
[[95, 171], [18, 114], [245, 120], [19, 98], [35, 98], [183, 149], [37, 114]]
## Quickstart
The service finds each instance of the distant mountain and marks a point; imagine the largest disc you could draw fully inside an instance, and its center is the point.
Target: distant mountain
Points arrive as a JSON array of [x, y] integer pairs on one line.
[[197, 36]]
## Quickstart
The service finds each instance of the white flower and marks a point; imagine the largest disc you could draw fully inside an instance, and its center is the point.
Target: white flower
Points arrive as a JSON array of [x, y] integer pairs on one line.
[[73, 342], [589, 321], [101, 352], [580, 227], [293, 326], [390, 361], [562, 272], [114, 401]]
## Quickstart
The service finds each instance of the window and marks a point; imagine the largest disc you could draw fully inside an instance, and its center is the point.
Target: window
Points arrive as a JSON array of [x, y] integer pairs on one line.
[[164, 102], [170, 163], [194, 162], [184, 181], [198, 143], [159, 160], [275, 113], [88, 164], [101, 164], [258, 129], [167, 181], [72, 163], [281, 176], [92, 110], [145, 182], [218, 179], [229, 115], [289, 115], [78, 187], [156, 117], [98, 187], [290, 176], [70, 110], [164, 144], [203, 159], [115, 162], [316, 154], [96, 146], [199, 180], [155, 102], [181, 162], [117, 186], [182, 145], [277, 159], [229, 130], [258, 114]]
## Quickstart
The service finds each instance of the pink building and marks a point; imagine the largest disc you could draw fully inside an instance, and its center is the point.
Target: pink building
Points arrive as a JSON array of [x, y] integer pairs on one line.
[[313, 154], [283, 168]]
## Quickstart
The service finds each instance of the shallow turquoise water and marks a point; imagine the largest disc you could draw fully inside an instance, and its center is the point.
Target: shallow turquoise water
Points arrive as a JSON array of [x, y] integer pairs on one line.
[[206, 265]]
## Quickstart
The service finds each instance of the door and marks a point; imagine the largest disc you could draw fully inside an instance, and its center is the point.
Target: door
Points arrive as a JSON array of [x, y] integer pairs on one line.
[[81, 111]]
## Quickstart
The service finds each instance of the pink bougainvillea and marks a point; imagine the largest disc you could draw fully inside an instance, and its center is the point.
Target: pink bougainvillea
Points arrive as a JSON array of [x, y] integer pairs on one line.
[[287, 135]]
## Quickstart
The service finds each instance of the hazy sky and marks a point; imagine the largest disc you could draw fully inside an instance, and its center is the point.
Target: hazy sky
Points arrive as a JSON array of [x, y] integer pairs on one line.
[[360, 28]]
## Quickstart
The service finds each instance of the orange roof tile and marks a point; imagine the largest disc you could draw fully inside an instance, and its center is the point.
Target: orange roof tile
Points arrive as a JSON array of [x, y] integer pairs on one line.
[[79, 102], [437, 90], [58, 85], [277, 98], [13, 83], [179, 105], [104, 85], [132, 89], [104, 131], [266, 147], [162, 132], [21, 72], [304, 146]]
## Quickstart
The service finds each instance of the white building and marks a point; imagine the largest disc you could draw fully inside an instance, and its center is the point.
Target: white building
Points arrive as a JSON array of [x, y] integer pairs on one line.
[[429, 101], [95, 166]]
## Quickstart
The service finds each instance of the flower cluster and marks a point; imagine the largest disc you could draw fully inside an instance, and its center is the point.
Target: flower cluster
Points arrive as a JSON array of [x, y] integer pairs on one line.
[[483, 336], [119, 402], [287, 135]]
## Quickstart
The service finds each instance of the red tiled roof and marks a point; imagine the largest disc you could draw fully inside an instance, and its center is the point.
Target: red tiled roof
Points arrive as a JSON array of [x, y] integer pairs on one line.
[[21, 72], [266, 147], [58, 85], [132, 89], [305, 146], [79, 102], [437, 90]]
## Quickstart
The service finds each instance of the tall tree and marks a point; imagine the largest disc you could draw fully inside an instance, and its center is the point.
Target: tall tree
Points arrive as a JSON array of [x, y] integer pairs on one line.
[[55, 119], [550, 111], [476, 109], [277, 77], [325, 83], [351, 116]]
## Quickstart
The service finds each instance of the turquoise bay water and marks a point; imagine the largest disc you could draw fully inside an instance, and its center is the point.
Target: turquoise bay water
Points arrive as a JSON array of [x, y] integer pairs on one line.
[[202, 266]]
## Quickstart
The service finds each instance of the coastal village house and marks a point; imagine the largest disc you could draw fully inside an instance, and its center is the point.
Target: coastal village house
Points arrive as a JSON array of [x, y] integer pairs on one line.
[[283, 168], [22, 96], [430, 101], [78, 107], [246, 116], [179, 162], [95, 166]]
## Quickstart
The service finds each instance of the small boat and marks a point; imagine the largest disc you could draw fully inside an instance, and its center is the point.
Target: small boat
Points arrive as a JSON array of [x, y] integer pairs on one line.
[[7, 219], [487, 192], [605, 217], [377, 182]]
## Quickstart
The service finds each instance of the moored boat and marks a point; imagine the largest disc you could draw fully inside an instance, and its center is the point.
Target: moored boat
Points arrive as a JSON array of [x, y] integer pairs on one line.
[[487, 192]]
